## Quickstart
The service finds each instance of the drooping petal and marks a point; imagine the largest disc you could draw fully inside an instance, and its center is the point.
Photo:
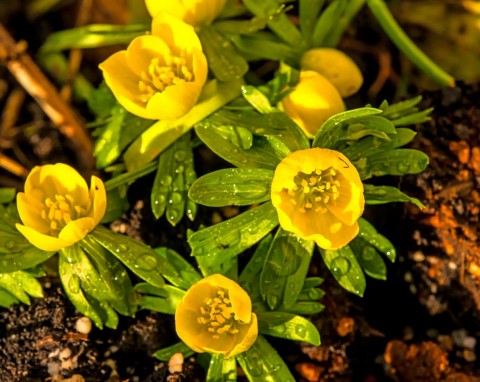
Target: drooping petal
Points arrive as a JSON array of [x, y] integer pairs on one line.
[[174, 101], [76, 230], [41, 241], [98, 196], [245, 339]]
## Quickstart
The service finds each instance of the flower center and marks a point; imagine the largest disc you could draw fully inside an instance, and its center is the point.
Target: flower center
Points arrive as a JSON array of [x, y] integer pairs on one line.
[[315, 190], [217, 313], [158, 77], [61, 211]]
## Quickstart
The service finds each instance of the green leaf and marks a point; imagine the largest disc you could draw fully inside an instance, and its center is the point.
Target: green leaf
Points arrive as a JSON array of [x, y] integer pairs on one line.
[[262, 154], [274, 12], [370, 125], [117, 204], [27, 257], [230, 238], [7, 195], [387, 194], [166, 353], [223, 59], [162, 133], [71, 284], [289, 326], [138, 257], [102, 101], [175, 174], [118, 289], [308, 12], [371, 145], [164, 300], [257, 99], [392, 162], [285, 268], [221, 369], [240, 26], [248, 279], [232, 186], [124, 179], [327, 21], [7, 299], [260, 45], [271, 125], [344, 266], [20, 284], [186, 274], [369, 259], [92, 36], [262, 363], [304, 308], [328, 134], [120, 131], [369, 234]]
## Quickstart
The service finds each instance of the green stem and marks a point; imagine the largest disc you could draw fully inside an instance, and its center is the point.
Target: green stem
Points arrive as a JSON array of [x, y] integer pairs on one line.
[[403, 42], [130, 176]]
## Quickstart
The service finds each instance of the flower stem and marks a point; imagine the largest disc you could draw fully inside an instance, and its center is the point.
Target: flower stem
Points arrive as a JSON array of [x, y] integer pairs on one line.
[[403, 42]]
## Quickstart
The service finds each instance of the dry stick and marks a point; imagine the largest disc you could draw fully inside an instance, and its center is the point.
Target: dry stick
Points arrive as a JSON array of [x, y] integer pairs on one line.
[[12, 166], [41, 89], [75, 57]]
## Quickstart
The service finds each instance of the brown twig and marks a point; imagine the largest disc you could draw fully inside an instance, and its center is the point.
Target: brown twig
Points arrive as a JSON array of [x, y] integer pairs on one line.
[[12, 166], [41, 89]]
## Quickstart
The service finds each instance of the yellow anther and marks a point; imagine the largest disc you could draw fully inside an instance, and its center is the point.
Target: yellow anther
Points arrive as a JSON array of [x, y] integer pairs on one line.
[[53, 225], [201, 320]]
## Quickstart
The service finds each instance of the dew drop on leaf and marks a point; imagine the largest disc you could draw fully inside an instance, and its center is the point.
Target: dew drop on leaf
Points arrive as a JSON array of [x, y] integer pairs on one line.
[[368, 253], [147, 262], [300, 330], [340, 266]]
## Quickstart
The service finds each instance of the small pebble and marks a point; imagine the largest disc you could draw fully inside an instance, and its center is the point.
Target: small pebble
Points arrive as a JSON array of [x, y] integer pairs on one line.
[[65, 354], [459, 336], [469, 342], [469, 355], [83, 325], [175, 364], [418, 256]]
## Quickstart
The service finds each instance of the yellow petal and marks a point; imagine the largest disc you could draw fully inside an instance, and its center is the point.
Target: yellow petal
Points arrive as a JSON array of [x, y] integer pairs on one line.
[[187, 326], [335, 66], [41, 241], [76, 230], [29, 210], [193, 12], [174, 102], [312, 102], [179, 36], [98, 196], [142, 50], [246, 340], [123, 83], [350, 203]]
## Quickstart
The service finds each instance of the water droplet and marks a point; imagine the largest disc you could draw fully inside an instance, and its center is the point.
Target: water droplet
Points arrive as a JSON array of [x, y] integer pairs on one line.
[[165, 180], [172, 216], [259, 131], [10, 244], [340, 266], [74, 284], [403, 167], [280, 329], [300, 330], [179, 169], [158, 199], [254, 365], [180, 155], [121, 248], [275, 368], [176, 198], [147, 261], [198, 251], [288, 262], [368, 253]]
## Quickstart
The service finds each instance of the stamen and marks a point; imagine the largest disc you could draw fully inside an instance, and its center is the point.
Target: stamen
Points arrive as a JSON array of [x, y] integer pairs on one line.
[[314, 191]]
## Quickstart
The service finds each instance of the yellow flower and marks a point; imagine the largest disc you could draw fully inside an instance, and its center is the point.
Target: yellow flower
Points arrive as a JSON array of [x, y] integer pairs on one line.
[[336, 67], [159, 76], [193, 12], [57, 208], [318, 195], [312, 102], [215, 316]]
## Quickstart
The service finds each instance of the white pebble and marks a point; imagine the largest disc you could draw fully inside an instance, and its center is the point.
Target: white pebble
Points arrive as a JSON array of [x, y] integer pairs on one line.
[[83, 325]]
